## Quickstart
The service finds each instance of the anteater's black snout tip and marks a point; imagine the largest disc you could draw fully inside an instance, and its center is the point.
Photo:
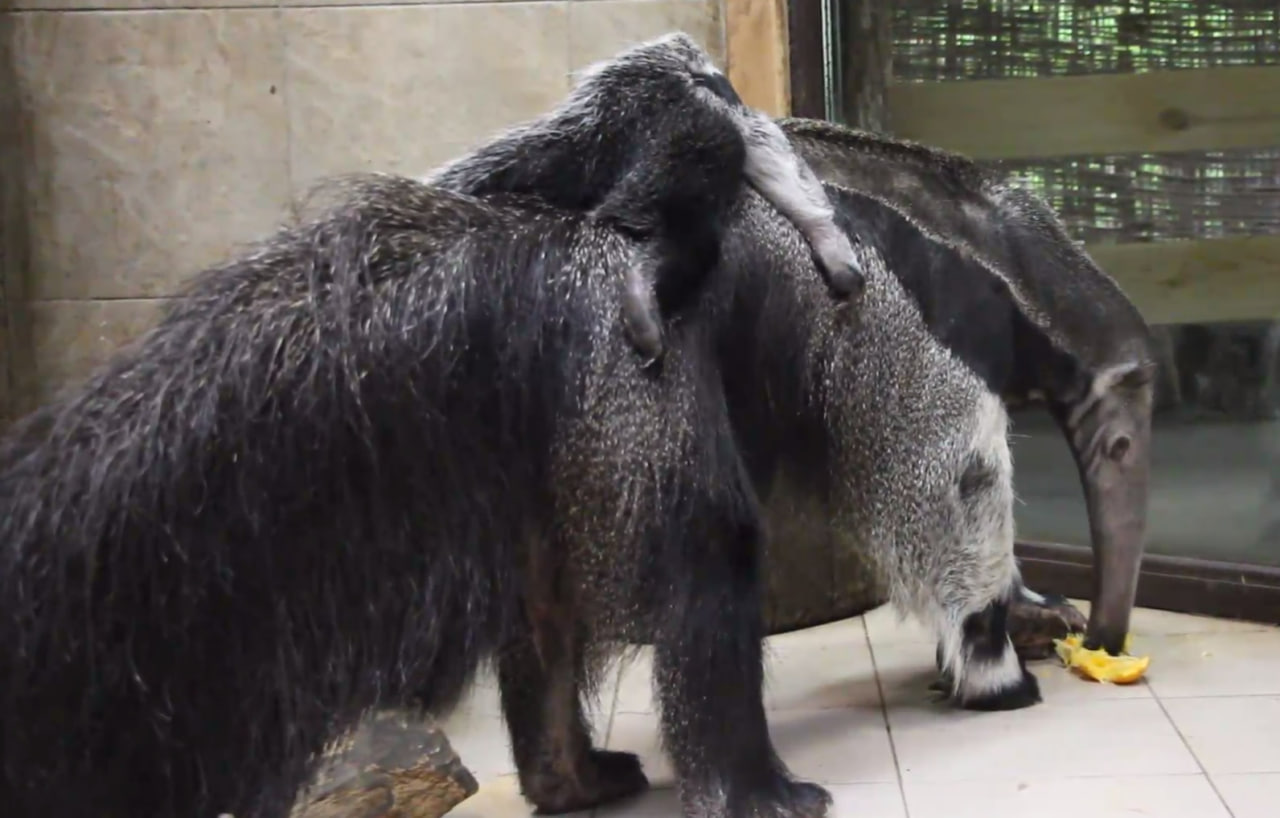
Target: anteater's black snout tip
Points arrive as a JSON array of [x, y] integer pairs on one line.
[[1108, 639]]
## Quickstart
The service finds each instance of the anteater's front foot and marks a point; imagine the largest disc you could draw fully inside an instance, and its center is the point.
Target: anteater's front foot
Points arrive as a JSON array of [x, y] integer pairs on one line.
[[780, 798], [1035, 620], [841, 267], [643, 328], [601, 777]]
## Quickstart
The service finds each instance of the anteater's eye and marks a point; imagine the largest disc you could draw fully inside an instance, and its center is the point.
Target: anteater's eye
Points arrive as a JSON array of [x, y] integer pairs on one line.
[[1118, 448], [719, 85]]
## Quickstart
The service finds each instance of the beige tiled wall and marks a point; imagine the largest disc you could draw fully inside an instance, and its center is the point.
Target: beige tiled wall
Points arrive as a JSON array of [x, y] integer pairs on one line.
[[145, 139]]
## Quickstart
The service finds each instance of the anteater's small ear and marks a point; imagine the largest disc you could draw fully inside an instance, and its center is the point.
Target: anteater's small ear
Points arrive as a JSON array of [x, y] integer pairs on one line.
[[719, 85]]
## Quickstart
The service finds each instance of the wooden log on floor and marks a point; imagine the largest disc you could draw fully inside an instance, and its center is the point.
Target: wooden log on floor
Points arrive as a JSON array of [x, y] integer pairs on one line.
[[395, 764]]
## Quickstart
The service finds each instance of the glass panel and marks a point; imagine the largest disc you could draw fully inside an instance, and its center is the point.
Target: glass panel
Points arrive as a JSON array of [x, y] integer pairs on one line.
[[1215, 490], [1215, 483]]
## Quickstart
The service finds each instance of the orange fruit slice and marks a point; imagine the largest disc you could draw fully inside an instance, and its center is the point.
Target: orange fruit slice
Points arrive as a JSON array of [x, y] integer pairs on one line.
[[1098, 664]]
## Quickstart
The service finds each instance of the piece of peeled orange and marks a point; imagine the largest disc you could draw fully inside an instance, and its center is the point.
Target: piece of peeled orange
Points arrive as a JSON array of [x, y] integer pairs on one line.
[[1098, 664]]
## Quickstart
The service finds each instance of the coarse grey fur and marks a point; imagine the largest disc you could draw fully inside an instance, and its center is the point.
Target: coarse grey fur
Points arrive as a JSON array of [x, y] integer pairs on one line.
[[1075, 303], [1081, 342], [655, 141], [920, 479], [903, 454], [406, 436]]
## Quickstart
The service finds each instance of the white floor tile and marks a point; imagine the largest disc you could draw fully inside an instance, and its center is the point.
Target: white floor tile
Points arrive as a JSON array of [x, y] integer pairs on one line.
[[824, 667], [1098, 750], [1151, 622], [844, 746], [1051, 739], [635, 682], [867, 801], [483, 698], [481, 742], [848, 801], [1213, 664], [1167, 623], [658, 802], [843, 634], [885, 626], [639, 733], [907, 669], [1183, 796], [1250, 795], [820, 668], [1231, 735], [497, 798], [848, 746], [1059, 685]]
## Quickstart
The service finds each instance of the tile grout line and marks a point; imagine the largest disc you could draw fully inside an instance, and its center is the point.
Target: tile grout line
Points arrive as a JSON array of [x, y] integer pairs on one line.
[[1212, 784], [884, 714], [268, 5], [568, 41], [286, 95], [613, 714], [1060, 778], [613, 703]]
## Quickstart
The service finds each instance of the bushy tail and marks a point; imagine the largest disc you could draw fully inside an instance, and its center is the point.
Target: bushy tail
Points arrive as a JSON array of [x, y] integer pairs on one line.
[[276, 509]]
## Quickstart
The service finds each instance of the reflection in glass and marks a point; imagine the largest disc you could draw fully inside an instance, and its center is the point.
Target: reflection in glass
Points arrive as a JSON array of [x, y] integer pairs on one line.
[[1215, 490], [1215, 479]]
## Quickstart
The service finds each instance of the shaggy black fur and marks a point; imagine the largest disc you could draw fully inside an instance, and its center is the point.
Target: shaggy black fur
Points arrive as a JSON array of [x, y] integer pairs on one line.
[[639, 148], [966, 308], [342, 471], [655, 143], [1082, 342]]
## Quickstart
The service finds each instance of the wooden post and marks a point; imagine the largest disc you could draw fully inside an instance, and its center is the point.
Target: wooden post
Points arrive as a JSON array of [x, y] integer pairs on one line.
[[805, 58], [15, 152], [9, 163], [16, 368], [6, 352], [756, 53], [866, 59]]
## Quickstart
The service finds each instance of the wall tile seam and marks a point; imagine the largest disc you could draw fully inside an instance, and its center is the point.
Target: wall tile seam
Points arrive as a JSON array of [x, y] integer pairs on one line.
[[110, 299], [286, 5], [287, 98]]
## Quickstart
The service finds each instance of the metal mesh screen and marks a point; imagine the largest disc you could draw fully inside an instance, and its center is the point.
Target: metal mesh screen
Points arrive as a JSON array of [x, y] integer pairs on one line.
[[1142, 197], [1209, 372], [1145, 197], [997, 39]]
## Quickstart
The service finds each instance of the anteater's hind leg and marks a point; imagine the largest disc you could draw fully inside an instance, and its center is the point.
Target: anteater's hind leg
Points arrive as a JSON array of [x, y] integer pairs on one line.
[[978, 582], [542, 674], [708, 654], [980, 668]]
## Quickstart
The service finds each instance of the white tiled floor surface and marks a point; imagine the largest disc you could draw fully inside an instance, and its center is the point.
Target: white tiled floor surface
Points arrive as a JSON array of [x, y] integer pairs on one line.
[[849, 708]]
